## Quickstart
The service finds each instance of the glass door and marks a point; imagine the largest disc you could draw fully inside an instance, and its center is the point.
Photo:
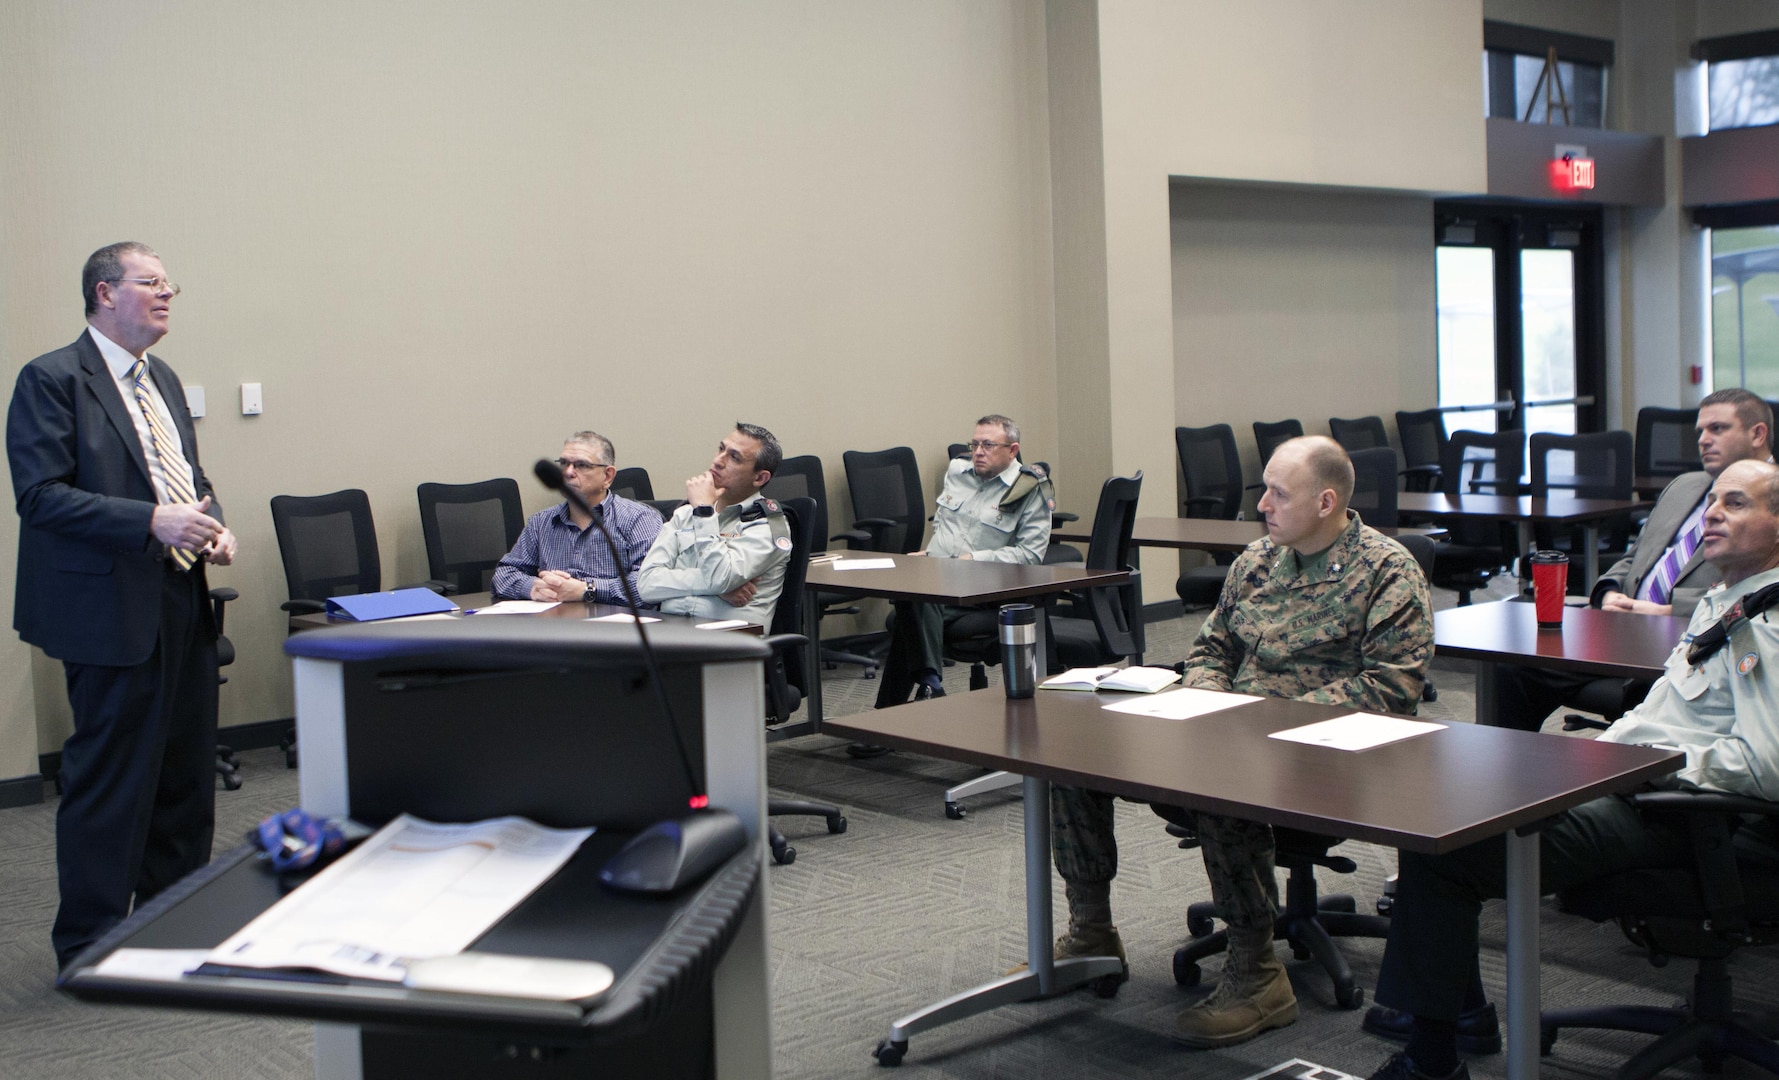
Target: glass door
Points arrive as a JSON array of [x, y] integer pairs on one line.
[[1518, 290]]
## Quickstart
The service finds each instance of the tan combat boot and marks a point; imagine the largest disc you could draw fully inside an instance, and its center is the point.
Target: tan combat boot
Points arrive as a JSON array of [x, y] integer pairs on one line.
[[1254, 995], [1089, 939]]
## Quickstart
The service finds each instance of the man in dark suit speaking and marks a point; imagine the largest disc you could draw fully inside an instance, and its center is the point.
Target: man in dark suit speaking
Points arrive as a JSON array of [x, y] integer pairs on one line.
[[116, 521]]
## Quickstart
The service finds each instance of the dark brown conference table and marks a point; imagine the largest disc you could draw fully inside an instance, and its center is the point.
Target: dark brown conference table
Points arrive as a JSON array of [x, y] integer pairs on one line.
[[962, 582], [1525, 511], [1609, 644], [1432, 793], [1200, 534]]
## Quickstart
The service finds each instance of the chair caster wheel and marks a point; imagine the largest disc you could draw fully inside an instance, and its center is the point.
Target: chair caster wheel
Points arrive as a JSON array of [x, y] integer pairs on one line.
[[1547, 1039], [1106, 986], [889, 1054], [954, 811], [1186, 972], [837, 823], [785, 857], [231, 782], [1200, 926], [1350, 998], [1384, 904]]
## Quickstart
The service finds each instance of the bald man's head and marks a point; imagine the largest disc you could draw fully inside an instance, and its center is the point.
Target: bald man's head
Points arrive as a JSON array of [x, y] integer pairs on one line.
[[1741, 535], [1309, 481]]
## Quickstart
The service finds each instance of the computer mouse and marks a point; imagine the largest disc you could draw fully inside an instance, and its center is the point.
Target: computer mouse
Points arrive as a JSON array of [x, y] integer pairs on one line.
[[675, 853]]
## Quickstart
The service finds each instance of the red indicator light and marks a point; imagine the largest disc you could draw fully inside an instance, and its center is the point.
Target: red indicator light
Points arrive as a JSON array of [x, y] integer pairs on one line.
[[698, 802]]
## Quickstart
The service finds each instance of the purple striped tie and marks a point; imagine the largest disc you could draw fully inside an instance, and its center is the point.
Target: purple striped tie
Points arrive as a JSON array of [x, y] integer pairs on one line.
[[1667, 572]]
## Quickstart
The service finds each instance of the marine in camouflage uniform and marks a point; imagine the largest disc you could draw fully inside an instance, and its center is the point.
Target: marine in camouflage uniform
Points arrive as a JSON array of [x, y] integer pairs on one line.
[[1349, 625]]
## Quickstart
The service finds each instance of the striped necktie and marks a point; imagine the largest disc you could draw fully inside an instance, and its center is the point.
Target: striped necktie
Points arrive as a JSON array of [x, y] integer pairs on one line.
[[1667, 572], [165, 461]]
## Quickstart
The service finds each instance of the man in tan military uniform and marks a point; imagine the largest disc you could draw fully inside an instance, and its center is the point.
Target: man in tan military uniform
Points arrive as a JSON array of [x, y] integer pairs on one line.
[[1323, 609], [992, 509], [723, 554]]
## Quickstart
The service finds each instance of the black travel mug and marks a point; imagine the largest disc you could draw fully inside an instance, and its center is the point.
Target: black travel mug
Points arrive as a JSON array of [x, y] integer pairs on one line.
[[1019, 649]]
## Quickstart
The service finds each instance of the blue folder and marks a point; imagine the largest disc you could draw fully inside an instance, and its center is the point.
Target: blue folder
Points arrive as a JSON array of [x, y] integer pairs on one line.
[[368, 607]]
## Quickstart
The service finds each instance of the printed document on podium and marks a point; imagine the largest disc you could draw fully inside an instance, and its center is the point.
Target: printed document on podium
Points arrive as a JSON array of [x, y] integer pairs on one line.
[[413, 890]]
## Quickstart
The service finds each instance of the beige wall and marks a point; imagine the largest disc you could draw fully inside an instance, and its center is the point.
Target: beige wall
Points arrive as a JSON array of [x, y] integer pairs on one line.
[[443, 235], [1292, 304]]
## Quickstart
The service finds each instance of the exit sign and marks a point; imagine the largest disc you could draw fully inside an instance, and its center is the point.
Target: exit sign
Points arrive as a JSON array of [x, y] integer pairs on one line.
[[1572, 173]]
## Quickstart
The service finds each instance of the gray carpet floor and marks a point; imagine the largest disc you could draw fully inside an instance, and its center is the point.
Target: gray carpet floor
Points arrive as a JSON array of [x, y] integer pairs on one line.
[[903, 909]]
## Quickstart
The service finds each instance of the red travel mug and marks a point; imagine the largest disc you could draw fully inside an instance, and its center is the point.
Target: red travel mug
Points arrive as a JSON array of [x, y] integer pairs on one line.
[[1550, 583]]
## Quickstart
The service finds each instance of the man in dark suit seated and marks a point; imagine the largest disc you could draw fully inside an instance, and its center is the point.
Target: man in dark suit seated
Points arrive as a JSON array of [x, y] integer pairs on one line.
[[116, 522], [1718, 701], [1665, 571]]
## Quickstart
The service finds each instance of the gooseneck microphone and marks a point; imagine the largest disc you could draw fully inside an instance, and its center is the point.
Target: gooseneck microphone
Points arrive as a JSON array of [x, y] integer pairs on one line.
[[550, 474]]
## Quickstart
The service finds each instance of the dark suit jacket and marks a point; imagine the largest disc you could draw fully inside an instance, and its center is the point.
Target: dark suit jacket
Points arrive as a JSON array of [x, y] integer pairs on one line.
[[1670, 512], [89, 573]]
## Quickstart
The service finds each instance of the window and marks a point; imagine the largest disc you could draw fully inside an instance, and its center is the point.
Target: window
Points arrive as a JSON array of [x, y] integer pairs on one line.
[[1742, 79], [1745, 309], [1514, 60]]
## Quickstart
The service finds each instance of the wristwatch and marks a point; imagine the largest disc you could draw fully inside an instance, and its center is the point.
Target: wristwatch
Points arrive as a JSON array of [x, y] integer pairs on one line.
[[703, 511], [588, 597]]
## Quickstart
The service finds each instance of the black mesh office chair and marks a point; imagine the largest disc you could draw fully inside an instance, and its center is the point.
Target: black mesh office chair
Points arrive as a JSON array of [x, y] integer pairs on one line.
[[1484, 463], [787, 673], [1098, 626], [802, 477], [1374, 487], [1423, 440], [329, 547], [633, 484], [468, 529], [888, 510], [1727, 900], [1085, 629], [1364, 433], [1593, 466], [1267, 437], [1211, 471], [1667, 441]]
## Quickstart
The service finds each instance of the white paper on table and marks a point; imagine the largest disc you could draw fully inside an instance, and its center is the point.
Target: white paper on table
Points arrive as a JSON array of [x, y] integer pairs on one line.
[[724, 624], [420, 618], [864, 564], [1357, 731], [415, 889], [158, 965], [1182, 704], [623, 617], [517, 607]]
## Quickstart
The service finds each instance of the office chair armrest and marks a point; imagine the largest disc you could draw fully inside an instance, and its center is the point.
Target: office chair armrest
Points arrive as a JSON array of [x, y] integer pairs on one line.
[[1063, 517], [1211, 502], [1710, 802], [443, 588], [1420, 470], [303, 607], [873, 523], [853, 539], [776, 642], [224, 594]]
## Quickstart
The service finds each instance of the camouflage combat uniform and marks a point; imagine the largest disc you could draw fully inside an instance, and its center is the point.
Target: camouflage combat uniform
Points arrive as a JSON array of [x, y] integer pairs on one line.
[[1355, 628]]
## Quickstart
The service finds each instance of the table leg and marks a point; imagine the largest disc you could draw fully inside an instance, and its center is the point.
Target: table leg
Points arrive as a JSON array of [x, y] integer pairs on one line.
[[1527, 546], [1522, 956], [812, 662], [1043, 977], [1487, 679]]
